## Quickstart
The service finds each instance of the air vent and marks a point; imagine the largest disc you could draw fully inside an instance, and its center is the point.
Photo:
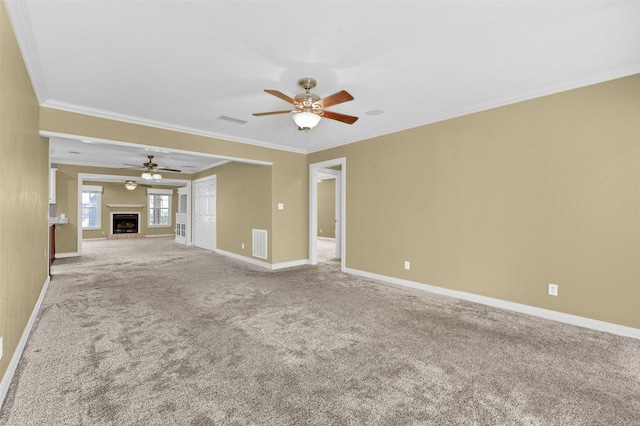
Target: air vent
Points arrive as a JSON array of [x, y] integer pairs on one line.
[[231, 119], [259, 243]]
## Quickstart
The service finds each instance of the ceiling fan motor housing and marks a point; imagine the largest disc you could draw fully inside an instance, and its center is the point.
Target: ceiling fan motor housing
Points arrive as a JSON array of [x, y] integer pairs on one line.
[[307, 83]]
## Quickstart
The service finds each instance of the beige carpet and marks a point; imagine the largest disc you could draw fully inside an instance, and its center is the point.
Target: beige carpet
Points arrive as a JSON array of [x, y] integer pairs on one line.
[[148, 332]]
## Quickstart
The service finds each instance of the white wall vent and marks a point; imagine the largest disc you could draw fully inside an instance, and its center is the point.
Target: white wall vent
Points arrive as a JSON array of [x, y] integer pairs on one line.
[[231, 119], [259, 243]]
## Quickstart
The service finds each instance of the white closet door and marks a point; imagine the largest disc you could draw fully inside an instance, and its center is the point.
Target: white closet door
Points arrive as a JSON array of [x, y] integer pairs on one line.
[[204, 192]]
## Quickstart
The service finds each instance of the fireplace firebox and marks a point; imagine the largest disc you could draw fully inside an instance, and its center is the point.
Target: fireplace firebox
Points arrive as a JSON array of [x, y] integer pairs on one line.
[[125, 223]]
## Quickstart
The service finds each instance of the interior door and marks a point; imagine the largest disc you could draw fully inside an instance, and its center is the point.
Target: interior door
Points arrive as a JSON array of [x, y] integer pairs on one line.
[[204, 213]]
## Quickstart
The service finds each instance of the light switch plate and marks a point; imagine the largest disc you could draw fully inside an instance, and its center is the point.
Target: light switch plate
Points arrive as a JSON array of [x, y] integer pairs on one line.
[[280, 206], [1, 344]]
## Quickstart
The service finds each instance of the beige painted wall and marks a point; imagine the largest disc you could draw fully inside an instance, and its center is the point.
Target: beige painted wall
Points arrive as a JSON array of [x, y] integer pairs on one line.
[[243, 204], [24, 171], [289, 181], [67, 204], [503, 202], [327, 208]]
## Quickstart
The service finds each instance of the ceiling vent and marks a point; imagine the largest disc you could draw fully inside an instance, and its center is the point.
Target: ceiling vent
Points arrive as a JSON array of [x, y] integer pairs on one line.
[[231, 119]]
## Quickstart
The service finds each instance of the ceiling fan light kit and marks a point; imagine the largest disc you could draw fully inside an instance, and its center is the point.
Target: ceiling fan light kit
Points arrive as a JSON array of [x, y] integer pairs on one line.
[[130, 184], [309, 107], [151, 169], [306, 120]]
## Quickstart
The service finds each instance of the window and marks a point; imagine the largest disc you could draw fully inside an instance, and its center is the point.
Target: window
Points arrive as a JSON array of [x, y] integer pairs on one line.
[[159, 207], [91, 206]]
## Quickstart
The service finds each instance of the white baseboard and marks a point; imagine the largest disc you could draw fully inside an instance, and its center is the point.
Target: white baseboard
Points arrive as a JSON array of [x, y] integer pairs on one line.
[[15, 359], [608, 327], [266, 265], [159, 235], [289, 264], [63, 255], [94, 239]]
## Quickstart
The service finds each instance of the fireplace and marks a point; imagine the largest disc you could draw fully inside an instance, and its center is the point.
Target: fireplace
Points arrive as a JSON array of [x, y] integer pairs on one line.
[[125, 223]]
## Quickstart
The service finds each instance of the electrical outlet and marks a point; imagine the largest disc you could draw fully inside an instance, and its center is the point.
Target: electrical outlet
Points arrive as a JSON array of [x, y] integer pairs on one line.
[[242, 246], [553, 289], [407, 265], [1, 347]]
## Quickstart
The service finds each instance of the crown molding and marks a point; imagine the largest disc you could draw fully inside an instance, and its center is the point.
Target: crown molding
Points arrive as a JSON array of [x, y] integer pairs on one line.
[[500, 102], [22, 30], [109, 115]]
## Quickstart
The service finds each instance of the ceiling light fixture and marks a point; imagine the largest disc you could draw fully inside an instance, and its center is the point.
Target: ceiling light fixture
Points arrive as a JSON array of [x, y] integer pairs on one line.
[[130, 184], [146, 175], [306, 120], [156, 176]]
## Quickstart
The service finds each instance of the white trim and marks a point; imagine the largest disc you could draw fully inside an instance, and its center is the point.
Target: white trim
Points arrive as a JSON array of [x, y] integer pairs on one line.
[[92, 188], [159, 235], [159, 191], [485, 106], [495, 103], [132, 206], [17, 354], [109, 115], [49, 134], [92, 239], [289, 264], [246, 259], [24, 34], [607, 327], [326, 238], [65, 255], [266, 265]]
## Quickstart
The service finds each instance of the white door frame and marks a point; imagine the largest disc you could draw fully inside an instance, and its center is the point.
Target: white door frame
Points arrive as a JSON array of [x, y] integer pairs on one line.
[[214, 178], [341, 200]]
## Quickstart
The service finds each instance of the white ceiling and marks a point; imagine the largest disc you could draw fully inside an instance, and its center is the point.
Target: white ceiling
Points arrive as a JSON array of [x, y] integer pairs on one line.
[[182, 64]]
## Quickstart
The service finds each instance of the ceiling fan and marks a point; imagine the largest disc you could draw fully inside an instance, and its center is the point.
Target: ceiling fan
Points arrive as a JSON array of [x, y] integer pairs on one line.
[[151, 169], [309, 107]]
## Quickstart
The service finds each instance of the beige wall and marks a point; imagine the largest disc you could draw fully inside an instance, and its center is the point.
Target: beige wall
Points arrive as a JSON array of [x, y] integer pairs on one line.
[[503, 202], [327, 208], [243, 204], [289, 182], [67, 204], [24, 170]]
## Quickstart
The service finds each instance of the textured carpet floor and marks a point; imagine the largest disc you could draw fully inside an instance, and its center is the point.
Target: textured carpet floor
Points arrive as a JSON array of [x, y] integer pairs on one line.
[[148, 332]]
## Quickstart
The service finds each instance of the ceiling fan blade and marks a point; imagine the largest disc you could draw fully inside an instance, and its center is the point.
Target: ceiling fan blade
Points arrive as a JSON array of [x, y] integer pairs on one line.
[[280, 95], [166, 169], [349, 119], [132, 165], [335, 99], [260, 114]]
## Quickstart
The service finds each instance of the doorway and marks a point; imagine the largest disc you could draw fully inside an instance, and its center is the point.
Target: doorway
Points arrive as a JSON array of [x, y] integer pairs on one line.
[[335, 170], [204, 212]]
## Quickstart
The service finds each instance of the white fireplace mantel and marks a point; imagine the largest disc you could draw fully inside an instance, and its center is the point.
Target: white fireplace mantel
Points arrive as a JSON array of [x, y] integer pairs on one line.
[[132, 206]]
